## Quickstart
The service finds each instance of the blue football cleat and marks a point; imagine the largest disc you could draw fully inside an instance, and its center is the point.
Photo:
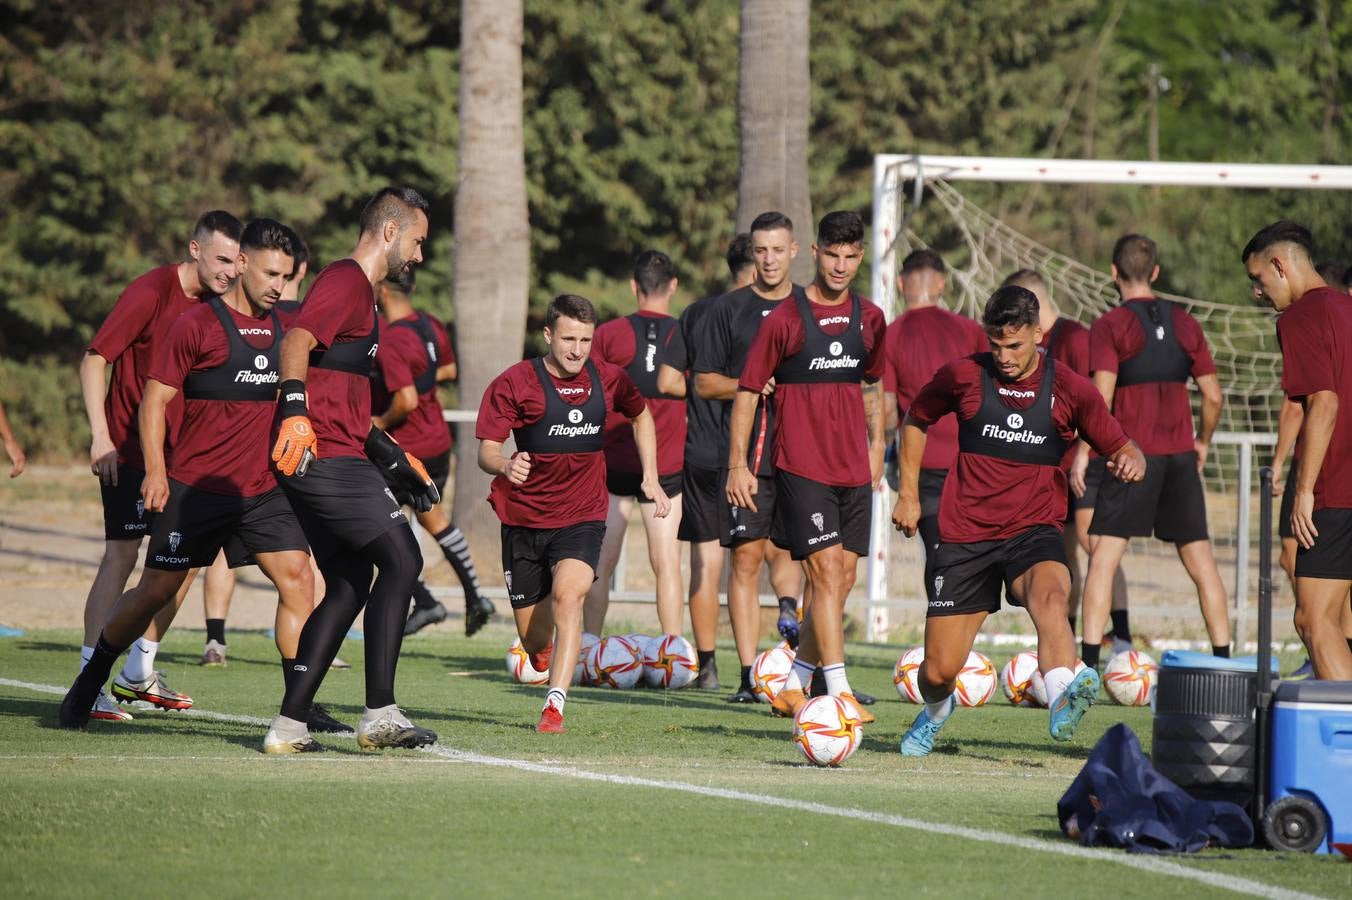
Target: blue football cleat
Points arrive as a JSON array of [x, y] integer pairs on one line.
[[788, 623], [919, 738], [1304, 673], [1071, 706]]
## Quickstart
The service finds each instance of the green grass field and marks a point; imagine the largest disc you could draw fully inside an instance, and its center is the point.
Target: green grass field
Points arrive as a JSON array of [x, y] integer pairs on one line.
[[648, 794]]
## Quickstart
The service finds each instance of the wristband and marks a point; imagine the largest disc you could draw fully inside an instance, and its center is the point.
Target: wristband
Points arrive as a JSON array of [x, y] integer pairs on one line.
[[292, 399]]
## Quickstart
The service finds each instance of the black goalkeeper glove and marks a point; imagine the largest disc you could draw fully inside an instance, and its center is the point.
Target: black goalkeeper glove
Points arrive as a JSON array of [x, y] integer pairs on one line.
[[403, 471]]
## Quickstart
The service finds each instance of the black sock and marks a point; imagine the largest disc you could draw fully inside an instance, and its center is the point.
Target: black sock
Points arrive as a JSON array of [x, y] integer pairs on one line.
[[456, 550], [1349, 643], [1121, 625], [1072, 624], [94, 675], [422, 597], [788, 603], [286, 672], [746, 679], [216, 630], [1090, 654], [1221, 650], [818, 686], [705, 657]]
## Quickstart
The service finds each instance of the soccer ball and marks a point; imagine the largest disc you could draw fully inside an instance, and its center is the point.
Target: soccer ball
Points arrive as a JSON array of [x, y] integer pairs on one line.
[[1130, 678], [1016, 678], [641, 642], [615, 663], [589, 641], [770, 672], [977, 681], [1038, 688], [519, 667], [906, 672], [669, 662], [827, 730]]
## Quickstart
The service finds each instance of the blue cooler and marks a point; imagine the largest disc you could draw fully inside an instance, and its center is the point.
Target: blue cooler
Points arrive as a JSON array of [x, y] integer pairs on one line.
[[1310, 785]]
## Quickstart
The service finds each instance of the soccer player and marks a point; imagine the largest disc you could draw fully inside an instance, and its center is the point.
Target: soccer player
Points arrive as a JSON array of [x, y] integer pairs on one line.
[[17, 460], [330, 457], [551, 493], [638, 343], [1314, 329], [1003, 506], [1142, 354], [919, 342], [415, 356], [724, 335], [127, 340], [702, 488], [218, 491], [828, 443]]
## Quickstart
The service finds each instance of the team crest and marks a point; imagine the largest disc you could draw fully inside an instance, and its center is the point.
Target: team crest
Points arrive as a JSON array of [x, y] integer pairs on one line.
[[938, 585], [507, 577], [1159, 332], [175, 538], [140, 508], [819, 520], [1015, 420]]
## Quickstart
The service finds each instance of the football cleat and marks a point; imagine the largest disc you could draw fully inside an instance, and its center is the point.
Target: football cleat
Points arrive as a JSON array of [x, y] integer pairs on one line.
[[787, 703], [392, 729], [707, 679], [551, 721], [105, 710], [214, 654], [744, 694], [320, 720], [477, 614], [919, 738], [423, 616], [284, 737], [865, 717], [154, 690], [788, 622], [1068, 709]]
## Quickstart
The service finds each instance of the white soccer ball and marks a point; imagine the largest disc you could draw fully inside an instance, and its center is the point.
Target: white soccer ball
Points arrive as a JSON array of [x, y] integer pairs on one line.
[[770, 672], [1038, 688], [1130, 678], [669, 662], [641, 641], [827, 729], [906, 673], [580, 670], [1017, 676], [977, 680], [615, 662], [519, 667]]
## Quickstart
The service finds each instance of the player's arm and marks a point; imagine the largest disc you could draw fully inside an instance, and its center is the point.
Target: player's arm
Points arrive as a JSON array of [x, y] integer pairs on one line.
[[1097, 426], [741, 488], [670, 381], [94, 387], [715, 386], [890, 413], [906, 511], [151, 421], [1106, 382], [12, 448], [877, 432], [514, 469], [1212, 401], [645, 439], [402, 402], [1321, 412], [296, 443], [448, 372], [1288, 427]]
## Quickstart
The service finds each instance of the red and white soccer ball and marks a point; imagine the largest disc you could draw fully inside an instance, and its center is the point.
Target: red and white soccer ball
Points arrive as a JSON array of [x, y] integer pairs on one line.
[[589, 641], [769, 673], [1017, 676], [977, 680], [519, 667], [641, 642], [906, 673], [669, 662], [1038, 688], [615, 662], [827, 729], [1130, 678]]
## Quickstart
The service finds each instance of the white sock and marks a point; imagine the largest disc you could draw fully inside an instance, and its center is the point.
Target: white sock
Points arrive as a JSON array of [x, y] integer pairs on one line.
[[939, 711], [800, 674], [836, 682], [289, 729], [1057, 680], [556, 698], [85, 654], [140, 663], [369, 715]]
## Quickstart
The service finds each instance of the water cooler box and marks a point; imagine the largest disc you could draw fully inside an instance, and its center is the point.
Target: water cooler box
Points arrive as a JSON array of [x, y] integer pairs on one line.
[[1310, 788]]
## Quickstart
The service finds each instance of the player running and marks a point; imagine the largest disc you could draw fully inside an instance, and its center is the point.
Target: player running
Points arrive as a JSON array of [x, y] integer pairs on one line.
[[127, 340], [1314, 329], [1003, 506], [721, 343], [414, 357], [217, 489], [13, 449], [1142, 354], [551, 493], [330, 458], [828, 444], [638, 343]]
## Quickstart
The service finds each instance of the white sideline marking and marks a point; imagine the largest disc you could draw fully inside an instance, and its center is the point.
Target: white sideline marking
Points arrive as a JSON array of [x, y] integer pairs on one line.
[[1151, 864]]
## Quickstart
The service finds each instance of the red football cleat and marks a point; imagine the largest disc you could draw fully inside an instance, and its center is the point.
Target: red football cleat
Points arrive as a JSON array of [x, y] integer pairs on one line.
[[551, 721], [540, 660]]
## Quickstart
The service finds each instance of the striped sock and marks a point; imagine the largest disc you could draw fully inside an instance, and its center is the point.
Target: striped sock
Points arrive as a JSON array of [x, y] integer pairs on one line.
[[800, 675], [556, 698], [456, 550], [836, 682]]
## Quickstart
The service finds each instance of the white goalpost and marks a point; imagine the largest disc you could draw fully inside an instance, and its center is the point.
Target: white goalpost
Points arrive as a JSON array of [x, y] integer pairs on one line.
[[1242, 339]]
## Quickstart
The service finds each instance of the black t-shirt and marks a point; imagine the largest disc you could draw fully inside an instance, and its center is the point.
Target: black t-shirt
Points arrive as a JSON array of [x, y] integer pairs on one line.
[[703, 418]]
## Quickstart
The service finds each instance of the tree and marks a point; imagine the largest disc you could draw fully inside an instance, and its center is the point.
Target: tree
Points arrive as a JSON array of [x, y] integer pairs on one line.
[[492, 233], [773, 107]]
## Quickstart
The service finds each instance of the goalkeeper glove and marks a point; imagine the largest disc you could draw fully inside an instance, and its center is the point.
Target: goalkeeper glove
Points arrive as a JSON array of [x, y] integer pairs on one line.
[[402, 470]]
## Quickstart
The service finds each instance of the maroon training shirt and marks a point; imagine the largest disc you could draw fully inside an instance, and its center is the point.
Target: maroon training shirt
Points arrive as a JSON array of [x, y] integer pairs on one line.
[[918, 343], [224, 446], [562, 488], [1070, 348], [1157, 415], [340, 306], [401, 359], [987, 499], [614, 343], [128, 339], [821, 433], [1315, 334]]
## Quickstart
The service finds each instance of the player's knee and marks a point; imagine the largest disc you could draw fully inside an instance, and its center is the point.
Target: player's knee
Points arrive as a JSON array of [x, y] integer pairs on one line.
[[746, 562], [122, 553], [937, 677], [1307, 621]]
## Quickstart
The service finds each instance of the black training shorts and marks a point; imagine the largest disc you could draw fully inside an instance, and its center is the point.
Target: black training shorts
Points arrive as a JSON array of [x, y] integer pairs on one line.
[[343, 504], [1170, 501], [738, 525], [1093, 479], [1331, 555], [701, 506], [931, 491], [530, 554], [811, 516], [124, 512], [630, 484], [438, 469], [1288, 504], [195, 525], [966, 578]]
